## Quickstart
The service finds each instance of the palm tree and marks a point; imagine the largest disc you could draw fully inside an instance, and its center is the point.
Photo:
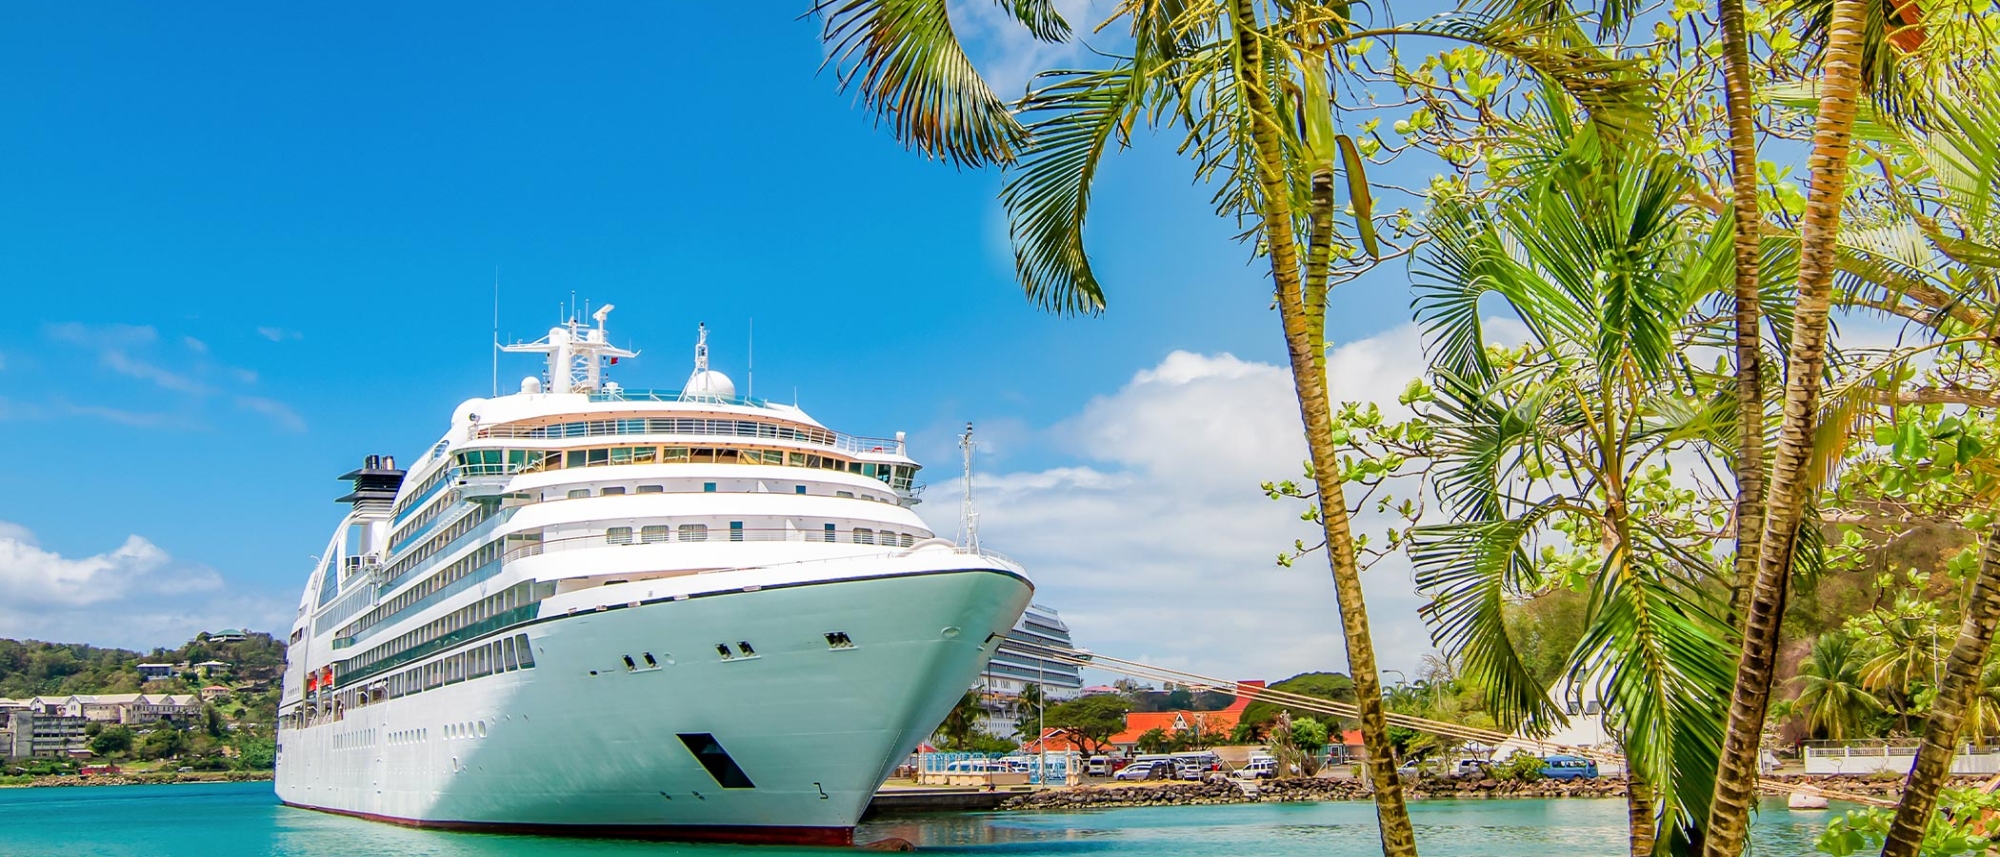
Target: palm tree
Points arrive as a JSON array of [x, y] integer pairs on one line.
[[1252, 97], [1840, 91], [1832, 698], [1557, 445], [1747, 242]]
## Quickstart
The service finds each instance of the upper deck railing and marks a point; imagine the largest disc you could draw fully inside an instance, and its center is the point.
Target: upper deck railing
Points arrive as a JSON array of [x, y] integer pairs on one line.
[[697, 427], [624, 395]]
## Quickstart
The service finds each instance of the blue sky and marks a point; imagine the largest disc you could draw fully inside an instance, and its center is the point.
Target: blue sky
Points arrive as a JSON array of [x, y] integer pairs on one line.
[[245, 245]]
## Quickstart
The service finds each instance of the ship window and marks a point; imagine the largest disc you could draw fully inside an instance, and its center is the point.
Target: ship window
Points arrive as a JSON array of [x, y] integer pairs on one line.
[[744, 647], [854, 467], [725, 456], [652, 489], [618, 535], [653, 534], [723, 650], [694, 532], [797, 459], [621, 455], [575, 458], [798, 489], [812, 461], [868, 470], [507, 654], [708, 487], [576, 493], [527, 655], [598, 457], [630, 665], [612, 490], [650, 663], [735, 531], [644, 454], [848, 494], [674, 453], [908, 540], [862, 536], [829, 532]]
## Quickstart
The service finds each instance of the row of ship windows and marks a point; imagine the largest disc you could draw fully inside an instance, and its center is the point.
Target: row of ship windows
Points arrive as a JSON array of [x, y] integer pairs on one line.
[[504, 462], [480, 512], [661, 533], [504, 655], [518, 595], [706, 488], [422, 490], [466, 565]]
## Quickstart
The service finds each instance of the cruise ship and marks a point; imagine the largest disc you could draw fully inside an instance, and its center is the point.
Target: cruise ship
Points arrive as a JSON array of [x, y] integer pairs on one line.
[[592, 610]]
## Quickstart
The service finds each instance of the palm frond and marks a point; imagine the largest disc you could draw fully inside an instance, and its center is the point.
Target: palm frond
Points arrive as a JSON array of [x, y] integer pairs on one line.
[[906, 61], [1047, 194], [1469, 571], [1659, 657]]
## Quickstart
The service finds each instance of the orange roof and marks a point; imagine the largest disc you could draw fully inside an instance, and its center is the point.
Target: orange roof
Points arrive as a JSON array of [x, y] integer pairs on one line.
[[1057, 741], [1138, 723]]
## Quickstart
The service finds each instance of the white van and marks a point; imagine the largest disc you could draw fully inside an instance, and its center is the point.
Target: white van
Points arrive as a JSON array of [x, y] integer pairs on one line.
[[1098, 766]]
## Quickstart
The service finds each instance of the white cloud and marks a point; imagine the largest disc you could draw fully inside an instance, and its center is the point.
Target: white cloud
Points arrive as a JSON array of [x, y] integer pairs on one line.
[[279, 334], [280, 413], [1008, 56], [195, 345], [1158, 546], [134, 595]]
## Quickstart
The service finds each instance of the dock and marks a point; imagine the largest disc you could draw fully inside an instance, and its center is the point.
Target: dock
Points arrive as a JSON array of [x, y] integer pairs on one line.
[[913, 798]]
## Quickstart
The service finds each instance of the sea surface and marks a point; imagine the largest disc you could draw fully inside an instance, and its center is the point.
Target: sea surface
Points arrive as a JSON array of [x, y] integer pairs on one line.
[[245, 820]]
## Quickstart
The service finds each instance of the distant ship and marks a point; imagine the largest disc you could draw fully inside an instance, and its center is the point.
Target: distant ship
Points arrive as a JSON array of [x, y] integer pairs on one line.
[[597, 611]]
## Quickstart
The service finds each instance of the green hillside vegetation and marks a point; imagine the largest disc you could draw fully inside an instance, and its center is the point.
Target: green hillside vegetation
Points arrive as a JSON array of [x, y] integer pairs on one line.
[[233, 732]]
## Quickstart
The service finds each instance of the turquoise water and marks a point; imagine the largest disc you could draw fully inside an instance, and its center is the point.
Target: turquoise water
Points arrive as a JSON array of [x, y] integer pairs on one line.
[[245, 820]]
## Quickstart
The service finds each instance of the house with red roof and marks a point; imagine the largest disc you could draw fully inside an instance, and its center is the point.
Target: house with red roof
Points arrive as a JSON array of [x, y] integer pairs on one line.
[[1219, 723]]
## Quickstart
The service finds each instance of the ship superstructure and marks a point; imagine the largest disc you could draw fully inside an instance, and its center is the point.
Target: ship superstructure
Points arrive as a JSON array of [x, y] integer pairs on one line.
[[586, 609]]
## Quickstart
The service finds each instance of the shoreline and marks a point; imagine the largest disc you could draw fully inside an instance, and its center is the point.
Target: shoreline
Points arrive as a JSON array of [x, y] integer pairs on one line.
[[1314, 789], [152, 779]]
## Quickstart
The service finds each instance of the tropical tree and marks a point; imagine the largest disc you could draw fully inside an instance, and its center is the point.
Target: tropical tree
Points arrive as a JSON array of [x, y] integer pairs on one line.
[[1092, 719], [1029, 714], [962, 723], [1563, 443], [1153, 740], [1856, 59], [1831, 697]]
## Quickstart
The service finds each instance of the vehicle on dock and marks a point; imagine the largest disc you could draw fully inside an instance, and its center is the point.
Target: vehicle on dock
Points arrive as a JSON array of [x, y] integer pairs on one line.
[[1157, 769], [1099, 766], [1566, 767]]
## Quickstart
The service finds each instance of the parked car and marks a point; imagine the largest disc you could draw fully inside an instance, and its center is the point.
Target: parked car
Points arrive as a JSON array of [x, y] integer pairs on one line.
[[1154, 770], [1469, 767], [1259, 768], [1098, 766], [1566, 767]]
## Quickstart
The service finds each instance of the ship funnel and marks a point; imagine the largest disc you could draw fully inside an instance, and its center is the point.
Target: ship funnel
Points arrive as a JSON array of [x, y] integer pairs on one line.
[[374, 485]]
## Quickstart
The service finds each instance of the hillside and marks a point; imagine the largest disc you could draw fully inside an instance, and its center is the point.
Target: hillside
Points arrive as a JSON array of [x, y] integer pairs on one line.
[[36, 668]]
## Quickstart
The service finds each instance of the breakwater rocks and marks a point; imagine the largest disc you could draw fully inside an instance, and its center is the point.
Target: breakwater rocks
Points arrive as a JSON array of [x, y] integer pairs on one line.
[[1341, 788], [151, 779]]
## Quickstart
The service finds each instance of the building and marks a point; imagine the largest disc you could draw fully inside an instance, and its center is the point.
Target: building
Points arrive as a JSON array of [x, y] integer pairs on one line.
[[214, 692], [39, 727], [212, 669], [154, 672], [227, 635], [1215, 723], [1014, 666], [131, 709]]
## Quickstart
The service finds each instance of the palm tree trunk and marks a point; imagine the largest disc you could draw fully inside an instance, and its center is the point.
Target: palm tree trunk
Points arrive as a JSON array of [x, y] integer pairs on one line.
[[1309, 380], [1736, 774], [1639, 812], [1749, 351], [1948, 710]]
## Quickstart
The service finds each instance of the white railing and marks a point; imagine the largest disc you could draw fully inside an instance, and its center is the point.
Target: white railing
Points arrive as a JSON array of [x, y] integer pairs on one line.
[[1896, 757], [696, 427], [747, 535]]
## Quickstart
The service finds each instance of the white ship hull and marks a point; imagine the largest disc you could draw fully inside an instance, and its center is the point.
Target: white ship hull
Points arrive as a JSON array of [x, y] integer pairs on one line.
[[581, 745]]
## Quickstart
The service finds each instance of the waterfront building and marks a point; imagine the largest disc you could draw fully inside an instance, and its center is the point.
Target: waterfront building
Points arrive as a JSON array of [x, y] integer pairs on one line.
[[599, 610], [1014, 667], [153, 672], [39, 727], [1208, 723]]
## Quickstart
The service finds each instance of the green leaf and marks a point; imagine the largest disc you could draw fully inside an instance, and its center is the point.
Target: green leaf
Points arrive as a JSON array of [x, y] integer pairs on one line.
[[1359, 194]]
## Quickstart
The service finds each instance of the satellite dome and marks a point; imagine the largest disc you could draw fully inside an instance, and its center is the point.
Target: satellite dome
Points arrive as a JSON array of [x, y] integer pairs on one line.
[[709, 384], [531, 384]]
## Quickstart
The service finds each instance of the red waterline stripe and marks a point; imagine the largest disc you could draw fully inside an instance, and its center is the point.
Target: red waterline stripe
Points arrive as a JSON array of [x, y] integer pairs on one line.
[[742, 834]]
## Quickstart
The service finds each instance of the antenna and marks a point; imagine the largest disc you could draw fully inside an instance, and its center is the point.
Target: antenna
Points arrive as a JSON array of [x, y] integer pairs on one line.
[[968, 520], [496, 330], [750, 367]]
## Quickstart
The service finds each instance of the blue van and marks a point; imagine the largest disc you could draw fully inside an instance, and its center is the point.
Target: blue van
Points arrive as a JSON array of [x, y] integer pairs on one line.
[[1565, 767]]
